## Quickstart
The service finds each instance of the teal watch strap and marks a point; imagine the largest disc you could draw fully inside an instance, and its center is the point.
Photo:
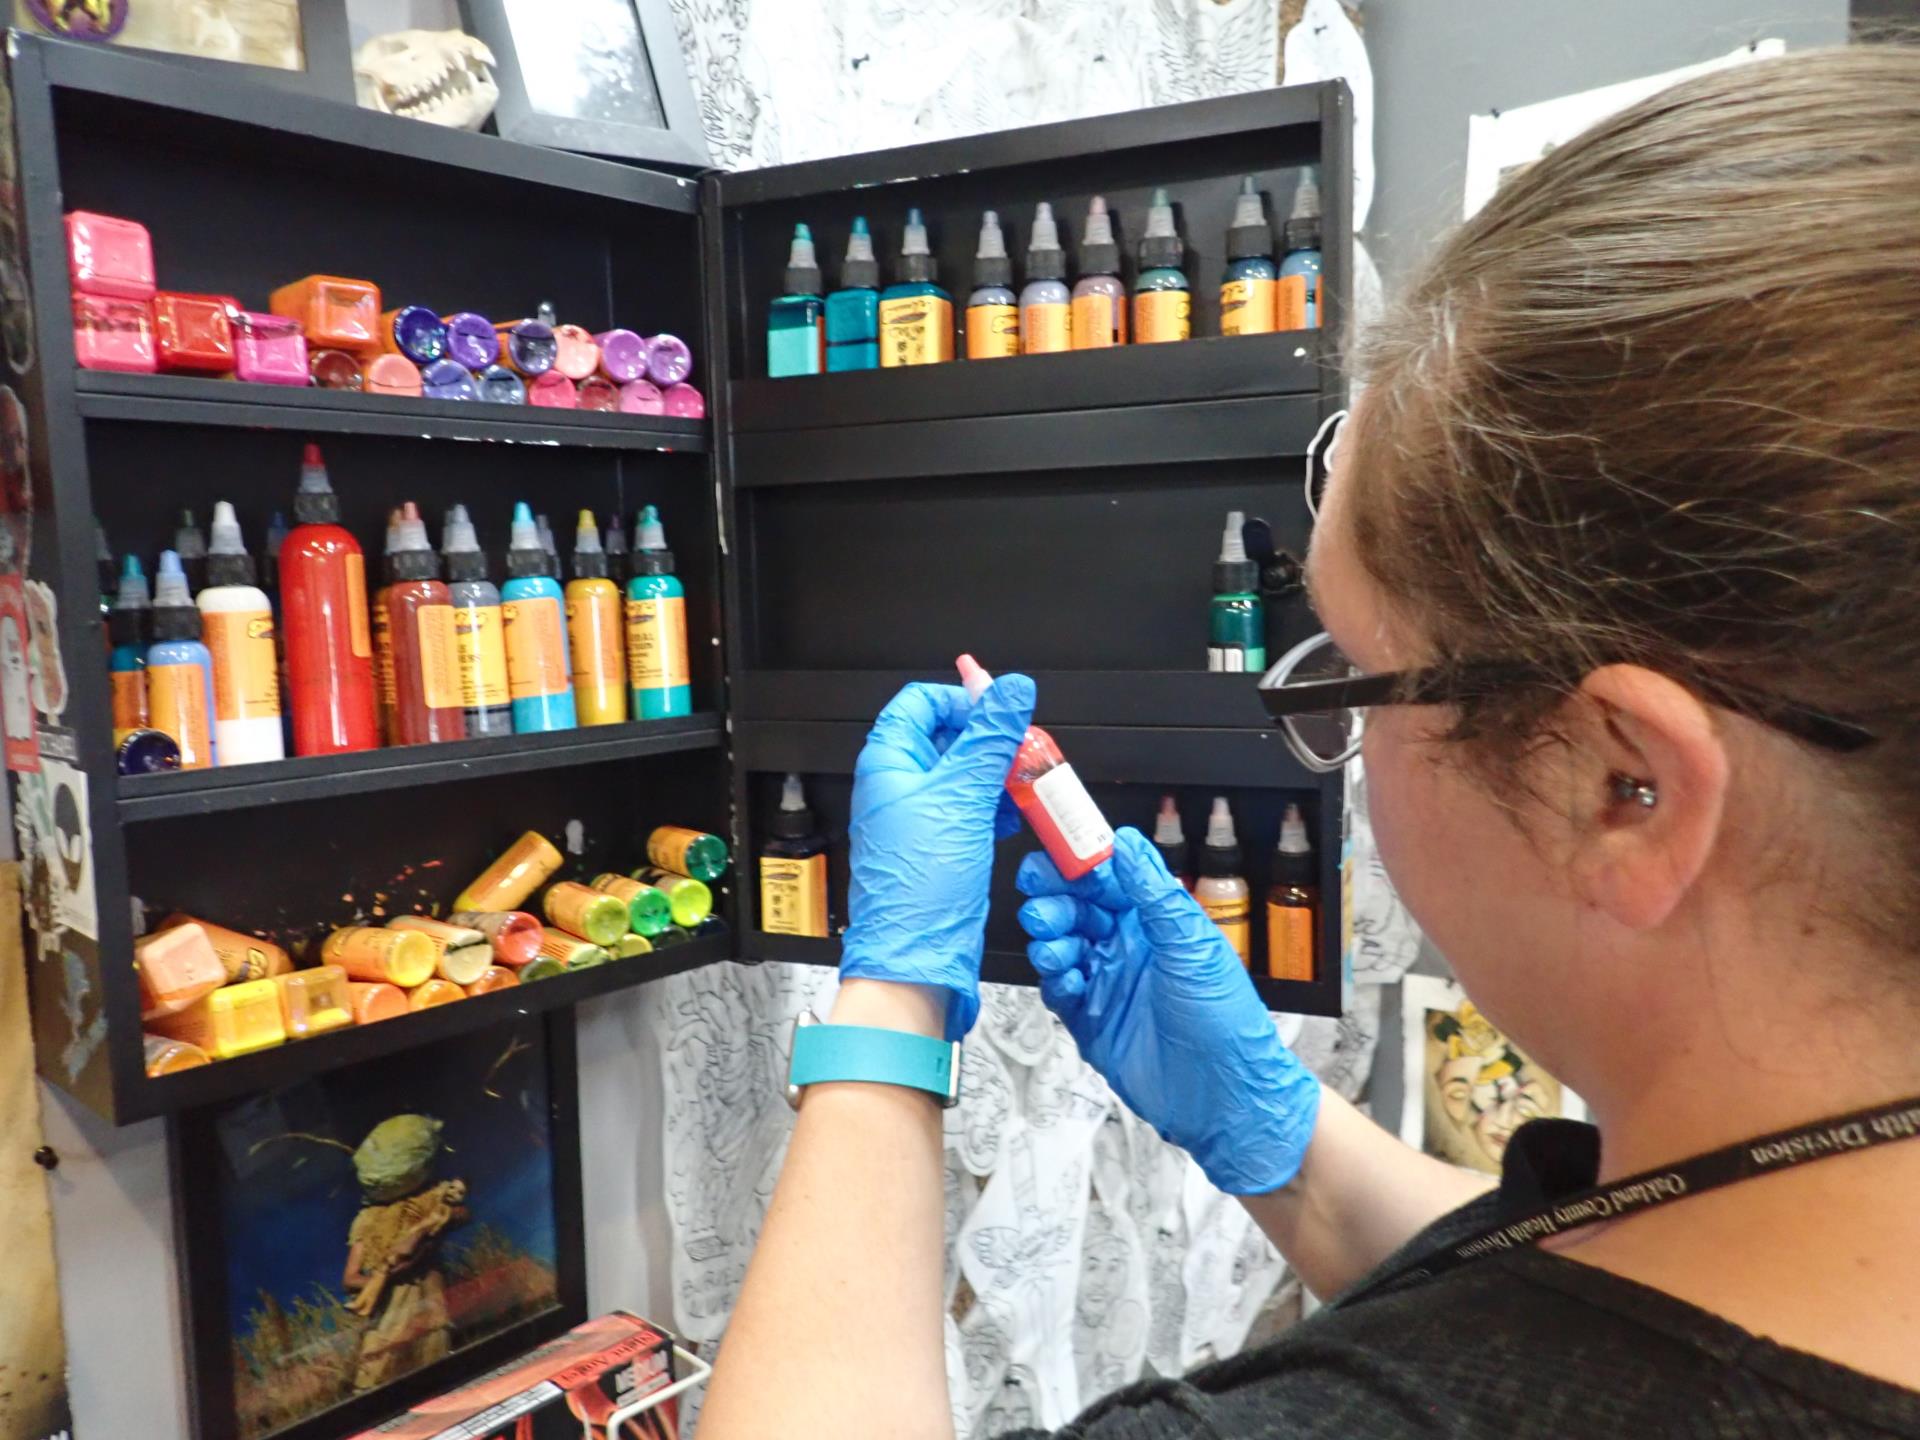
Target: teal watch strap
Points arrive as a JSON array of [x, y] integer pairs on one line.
[[868, 1053]]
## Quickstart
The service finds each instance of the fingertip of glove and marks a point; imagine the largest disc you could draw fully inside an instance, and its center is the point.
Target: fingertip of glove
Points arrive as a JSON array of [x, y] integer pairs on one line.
[[1016, 690]]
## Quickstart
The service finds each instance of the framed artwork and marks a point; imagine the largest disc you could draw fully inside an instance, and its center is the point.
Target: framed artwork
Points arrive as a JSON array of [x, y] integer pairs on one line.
[[603, 77], [368, 1238], [292, 44], [1465, 1086]]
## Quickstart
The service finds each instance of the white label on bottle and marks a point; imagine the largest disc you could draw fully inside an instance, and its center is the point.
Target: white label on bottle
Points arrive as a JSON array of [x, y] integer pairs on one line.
[[1070, 807]]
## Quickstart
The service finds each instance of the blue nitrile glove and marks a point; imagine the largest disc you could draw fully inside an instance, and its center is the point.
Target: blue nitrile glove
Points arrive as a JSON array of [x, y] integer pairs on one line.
[[1160, 1004], [929, 798]]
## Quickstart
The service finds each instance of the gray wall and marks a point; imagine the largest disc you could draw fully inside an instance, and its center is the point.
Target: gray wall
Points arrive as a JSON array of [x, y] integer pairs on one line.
[[1435, 62], [113, 1228]]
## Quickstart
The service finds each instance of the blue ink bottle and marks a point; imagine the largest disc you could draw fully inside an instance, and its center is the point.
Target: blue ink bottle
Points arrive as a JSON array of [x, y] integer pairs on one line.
[[796, 322], [853, 311]]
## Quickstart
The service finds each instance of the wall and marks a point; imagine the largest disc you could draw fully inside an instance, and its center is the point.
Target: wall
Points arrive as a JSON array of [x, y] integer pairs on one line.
[[1431, 71], [113, 1230]]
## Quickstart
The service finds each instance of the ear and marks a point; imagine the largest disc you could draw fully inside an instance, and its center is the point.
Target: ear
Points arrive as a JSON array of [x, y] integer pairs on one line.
[[1633, 862]]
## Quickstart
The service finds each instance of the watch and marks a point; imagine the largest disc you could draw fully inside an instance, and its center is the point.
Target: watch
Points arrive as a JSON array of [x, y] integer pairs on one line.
[[821, 1053]]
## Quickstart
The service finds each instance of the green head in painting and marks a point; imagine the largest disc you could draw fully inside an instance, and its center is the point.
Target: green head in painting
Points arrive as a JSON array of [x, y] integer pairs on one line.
[[396, 1158]]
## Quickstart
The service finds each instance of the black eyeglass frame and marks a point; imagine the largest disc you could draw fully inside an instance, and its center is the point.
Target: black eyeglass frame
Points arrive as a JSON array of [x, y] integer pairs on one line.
[[1476, 679]]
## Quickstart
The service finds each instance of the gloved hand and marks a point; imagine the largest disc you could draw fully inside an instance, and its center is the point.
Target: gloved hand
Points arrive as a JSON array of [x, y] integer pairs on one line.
[[1160, 1004], [929, 798]]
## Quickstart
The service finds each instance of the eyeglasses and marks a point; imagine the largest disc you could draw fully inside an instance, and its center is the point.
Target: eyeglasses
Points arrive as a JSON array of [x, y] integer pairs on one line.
[[1315, 695]]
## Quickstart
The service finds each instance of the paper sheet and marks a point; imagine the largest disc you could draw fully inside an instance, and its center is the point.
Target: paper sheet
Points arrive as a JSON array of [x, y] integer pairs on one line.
[[1230, 1270]]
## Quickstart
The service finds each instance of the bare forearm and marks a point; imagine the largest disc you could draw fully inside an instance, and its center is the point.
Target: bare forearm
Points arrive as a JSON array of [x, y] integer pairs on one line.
[[1360, 1195], [837, 1331]]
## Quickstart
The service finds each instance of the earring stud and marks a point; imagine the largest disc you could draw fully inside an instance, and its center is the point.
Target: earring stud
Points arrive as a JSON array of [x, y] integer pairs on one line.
[[1629, 791]]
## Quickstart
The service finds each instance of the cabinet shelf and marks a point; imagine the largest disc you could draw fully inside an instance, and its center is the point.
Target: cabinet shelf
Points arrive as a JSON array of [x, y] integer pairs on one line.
[[189, 400], [284, 1064], [241, 787]]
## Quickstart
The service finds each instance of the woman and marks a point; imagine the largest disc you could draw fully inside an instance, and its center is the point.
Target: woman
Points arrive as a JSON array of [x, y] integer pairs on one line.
[[1630, 513]]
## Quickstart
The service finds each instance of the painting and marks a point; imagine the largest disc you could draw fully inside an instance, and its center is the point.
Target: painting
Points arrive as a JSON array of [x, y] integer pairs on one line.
[[1467, 1086], [381, 1233]]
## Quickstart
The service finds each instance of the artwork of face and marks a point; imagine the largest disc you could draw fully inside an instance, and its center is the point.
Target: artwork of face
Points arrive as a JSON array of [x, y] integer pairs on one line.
[[1103, 1278], [1480, 1089]]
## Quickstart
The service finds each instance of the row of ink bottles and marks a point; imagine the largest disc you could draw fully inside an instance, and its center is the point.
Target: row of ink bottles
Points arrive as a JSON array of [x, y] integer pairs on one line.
[[861, 326]]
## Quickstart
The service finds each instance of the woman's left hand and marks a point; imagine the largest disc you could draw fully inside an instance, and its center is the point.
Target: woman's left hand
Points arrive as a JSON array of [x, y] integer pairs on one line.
[[929, 799]]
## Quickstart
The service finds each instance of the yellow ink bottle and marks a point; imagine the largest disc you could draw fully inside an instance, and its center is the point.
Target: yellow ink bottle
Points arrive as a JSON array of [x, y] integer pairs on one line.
[[916, 315], [793, 869]]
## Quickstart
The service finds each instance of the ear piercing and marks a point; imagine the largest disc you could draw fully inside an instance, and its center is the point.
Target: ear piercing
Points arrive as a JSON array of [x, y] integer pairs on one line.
[[1628, 791]]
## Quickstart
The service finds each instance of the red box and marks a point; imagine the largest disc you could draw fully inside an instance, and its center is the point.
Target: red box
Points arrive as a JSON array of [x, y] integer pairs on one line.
[[108, 256], [556, 1391], [111, 334], [193, 332]]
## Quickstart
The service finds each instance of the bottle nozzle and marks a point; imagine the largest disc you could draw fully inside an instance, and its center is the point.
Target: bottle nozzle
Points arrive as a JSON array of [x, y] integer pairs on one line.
[[993, 244], [133, 593], [1220, 824], [1247, 209], [859, 240], [170, 581], [803, 270], [792, 797], [411, 533], [457, 536], [973, 676], [524, 534], [1046, 234], [1166, 825], [1233, 545], [648, 532], [1099, 229], [224, 534], [913, 241], [1293, 833], [311, 455], [1160, 217], [586, 535]]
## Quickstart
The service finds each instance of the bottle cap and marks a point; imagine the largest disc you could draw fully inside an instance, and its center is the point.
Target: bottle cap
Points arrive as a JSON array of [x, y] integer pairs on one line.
[[188, 539], [650, 553], [409, 553], [315, 503], [1220, 856], [1045, 259], [174, 615], [227, 560], [460, 547], [916, 260], [1166, 825], [1303, 223], [1161, 247], [1249, 235], [133, 593], [859, 271], [525, 555], [803, 270], [974, 678], [1233, 572], [1099, 255], [793, 820], [589, 560], [991, 267]]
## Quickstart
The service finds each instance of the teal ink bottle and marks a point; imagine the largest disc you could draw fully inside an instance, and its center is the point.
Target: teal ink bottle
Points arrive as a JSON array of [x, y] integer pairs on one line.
[[1247, 293], [533, 615], [853, 311], [1162, 298], [1236, 620], [796, 322], [657, 658], [1299, 303], [916, 315], [127, 661]]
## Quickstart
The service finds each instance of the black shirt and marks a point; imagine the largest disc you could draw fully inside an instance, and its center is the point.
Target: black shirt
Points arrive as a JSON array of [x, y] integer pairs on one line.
[[1522, 1345]]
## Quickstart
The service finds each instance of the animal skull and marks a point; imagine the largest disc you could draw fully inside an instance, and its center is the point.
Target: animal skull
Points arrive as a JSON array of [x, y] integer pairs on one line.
[[444, 77]]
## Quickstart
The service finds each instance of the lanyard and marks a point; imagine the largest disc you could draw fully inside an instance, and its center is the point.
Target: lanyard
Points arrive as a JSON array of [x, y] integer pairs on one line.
[[1782, 1150]]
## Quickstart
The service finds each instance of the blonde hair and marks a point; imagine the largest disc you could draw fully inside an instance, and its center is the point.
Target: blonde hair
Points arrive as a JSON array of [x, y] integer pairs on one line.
[[1659, 403]]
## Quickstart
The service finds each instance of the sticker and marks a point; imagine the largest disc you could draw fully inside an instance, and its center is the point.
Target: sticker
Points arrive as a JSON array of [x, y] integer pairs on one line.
[[16, 486], [16, 303], [46, 673], [71, 865], [1081, 824], [16, 705], [80, 19]]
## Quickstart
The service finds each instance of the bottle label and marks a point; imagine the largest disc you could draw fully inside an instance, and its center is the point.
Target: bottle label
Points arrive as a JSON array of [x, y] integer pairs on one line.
[[483, 656], [1046, 329], [358, 636], [1289, 941], [1098, 322], [1071, 808], [793, 895], [1162, 315], [536, 648], [383, 671], [439, 657], [1293, 303], [993, 332], [130, 699], [593, 628], [1234, 917], [657, 643], [246, 671], [1247, 307], [177, 700], [916, 330]]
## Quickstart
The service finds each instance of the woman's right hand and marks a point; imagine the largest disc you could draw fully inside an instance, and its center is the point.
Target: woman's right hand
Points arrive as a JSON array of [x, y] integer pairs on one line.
[[1159, 1004]]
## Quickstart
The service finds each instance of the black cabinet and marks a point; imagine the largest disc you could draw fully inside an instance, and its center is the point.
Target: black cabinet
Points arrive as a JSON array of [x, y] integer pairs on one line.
[[837, 535]]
